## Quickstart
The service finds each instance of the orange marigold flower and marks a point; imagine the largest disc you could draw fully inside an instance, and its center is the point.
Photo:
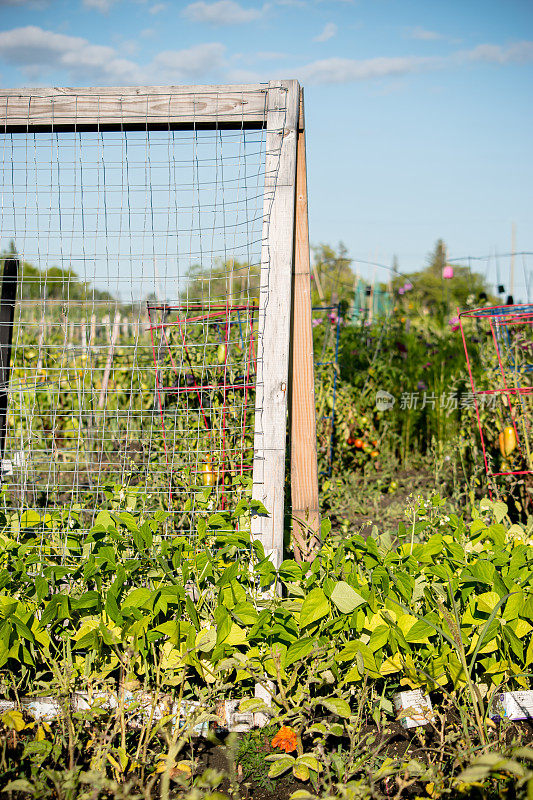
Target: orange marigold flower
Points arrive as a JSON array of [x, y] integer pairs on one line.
[[285, 739]]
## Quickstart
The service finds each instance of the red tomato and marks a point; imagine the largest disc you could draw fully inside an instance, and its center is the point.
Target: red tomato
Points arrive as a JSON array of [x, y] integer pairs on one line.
[[359, 444]]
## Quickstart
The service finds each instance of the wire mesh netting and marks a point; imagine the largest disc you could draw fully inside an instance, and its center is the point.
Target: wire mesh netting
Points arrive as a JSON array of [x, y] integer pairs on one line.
[[326, 333], [133, 357], [501, 339]]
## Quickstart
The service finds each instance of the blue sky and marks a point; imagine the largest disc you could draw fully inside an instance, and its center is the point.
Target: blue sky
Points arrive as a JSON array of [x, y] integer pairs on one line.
[[419, 114]]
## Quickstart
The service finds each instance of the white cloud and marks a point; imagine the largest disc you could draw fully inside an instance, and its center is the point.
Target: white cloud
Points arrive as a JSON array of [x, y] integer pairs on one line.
[[349, 70], [514, 53], [157, 8], [330, 30], [424, 35], [221, 12], [179, 65], [38, 52], [99, 5]]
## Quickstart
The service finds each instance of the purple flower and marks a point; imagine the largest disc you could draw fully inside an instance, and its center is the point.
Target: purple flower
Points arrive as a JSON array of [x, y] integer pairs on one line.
[[427, 365], [454, 323], [407, 286], [401, 290], [421, 385]]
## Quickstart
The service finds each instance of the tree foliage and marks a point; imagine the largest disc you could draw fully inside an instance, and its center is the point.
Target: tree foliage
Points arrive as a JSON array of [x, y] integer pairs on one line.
[[436, 293], [53, 283], [332, 279], [223, 279]]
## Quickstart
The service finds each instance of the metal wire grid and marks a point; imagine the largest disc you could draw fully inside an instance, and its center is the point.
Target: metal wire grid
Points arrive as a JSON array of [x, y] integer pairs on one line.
[[327, 319], [108, 224], [205, 365], [506, 386]]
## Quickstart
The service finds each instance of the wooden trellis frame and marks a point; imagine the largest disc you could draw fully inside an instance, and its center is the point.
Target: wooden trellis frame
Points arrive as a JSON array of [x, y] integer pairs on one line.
[[276, 107]]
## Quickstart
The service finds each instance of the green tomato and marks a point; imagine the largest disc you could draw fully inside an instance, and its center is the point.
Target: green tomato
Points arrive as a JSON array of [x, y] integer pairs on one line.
[[221, 353]]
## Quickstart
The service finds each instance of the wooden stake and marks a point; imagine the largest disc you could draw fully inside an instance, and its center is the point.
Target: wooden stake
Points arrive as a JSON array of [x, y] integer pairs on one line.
[[83, 335], [109, 362], [304, 469], [40, 345], [513, 248], [92, 336], [106, 321]]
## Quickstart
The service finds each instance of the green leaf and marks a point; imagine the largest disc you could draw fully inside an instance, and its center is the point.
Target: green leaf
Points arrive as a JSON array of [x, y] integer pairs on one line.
[[129, 521], [191, 611], [245, 613], [497, 534], [298, 650], [484, 633], [314, 607], [488, 601], [483, 571], [500, 510], [418, 632], [29, 518], [105, 520], [337, 706], [136, 598], [7, 606], [223, 621], [14, 720], [19, 785], [310, 761], [254, 704], [300, 771], [280, 766], [346, 598]]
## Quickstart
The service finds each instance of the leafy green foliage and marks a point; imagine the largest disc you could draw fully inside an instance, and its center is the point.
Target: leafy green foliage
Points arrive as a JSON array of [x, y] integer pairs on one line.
[[448, 607]]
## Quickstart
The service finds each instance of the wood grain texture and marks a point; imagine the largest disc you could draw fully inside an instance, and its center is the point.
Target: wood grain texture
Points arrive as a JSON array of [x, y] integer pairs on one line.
[[274, 314], [304, 469], [118, 108]]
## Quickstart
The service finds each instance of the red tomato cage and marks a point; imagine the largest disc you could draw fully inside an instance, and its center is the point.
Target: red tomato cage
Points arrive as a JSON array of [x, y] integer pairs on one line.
[[501, 338], [205, 375]]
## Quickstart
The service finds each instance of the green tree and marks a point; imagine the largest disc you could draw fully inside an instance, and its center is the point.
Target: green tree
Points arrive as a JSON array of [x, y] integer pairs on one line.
[[230, 278], [438, 295], [332, 279], [53, 283]]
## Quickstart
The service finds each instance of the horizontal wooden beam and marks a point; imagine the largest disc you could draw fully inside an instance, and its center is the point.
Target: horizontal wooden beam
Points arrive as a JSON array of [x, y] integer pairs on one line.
[[158, 107]]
